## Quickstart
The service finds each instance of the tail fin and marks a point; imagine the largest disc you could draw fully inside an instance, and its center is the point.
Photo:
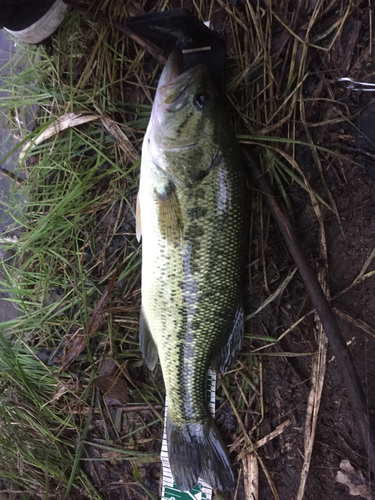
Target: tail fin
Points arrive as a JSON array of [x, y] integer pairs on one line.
[[197, 450]]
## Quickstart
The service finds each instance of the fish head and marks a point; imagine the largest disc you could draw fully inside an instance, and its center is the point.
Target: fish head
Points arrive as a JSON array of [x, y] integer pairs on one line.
[[183, 129]]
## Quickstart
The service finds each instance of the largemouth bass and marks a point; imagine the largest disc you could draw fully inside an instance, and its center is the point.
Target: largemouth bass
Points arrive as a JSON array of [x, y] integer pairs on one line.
[[191, 217]]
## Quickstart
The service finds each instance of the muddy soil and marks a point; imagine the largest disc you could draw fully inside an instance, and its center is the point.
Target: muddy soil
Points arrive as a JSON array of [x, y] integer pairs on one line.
[[287, 379], [350, 241]]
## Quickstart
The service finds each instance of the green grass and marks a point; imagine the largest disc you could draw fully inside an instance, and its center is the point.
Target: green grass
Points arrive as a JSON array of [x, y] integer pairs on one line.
[[75, 226]]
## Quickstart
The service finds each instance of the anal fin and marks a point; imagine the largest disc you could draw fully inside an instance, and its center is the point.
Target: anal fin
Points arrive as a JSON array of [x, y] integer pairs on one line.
[[227, 355], [147, 343]]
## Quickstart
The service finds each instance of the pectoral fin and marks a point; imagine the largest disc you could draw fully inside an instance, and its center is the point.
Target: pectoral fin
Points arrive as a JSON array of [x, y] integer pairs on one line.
[[227, 355], [138, 224], [170, 217], [147, 343]]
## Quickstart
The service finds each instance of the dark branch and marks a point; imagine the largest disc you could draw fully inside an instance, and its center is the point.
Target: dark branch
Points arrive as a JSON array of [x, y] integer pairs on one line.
[[325, 313]]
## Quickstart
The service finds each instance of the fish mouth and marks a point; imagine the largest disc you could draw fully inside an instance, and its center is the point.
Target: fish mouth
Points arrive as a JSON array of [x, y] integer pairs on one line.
[[172, 68], [174, 85]]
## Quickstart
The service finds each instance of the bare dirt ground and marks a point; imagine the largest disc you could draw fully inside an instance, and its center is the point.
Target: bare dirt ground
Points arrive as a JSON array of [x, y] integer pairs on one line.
[[350, 241]]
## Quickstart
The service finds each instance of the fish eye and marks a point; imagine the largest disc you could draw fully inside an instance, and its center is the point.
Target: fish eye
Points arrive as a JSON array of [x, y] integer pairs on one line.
[[201, 100]]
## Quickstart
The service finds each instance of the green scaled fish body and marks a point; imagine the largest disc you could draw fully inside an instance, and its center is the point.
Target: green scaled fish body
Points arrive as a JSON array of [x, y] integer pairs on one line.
[[190, 215]]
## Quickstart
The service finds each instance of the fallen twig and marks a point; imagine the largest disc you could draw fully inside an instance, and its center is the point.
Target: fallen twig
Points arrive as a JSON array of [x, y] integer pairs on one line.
[[251, 476], [11, 176], [266, 439], [359, 323], [324, 311], [61, 123], [250, 444], [318, 370]]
